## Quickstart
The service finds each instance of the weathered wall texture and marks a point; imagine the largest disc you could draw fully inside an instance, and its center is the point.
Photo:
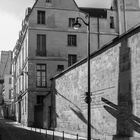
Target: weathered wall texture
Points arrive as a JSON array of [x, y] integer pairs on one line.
[[73, 85], [106, 78], [134, 43]]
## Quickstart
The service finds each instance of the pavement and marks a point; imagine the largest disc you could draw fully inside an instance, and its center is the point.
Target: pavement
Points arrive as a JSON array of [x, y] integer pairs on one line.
[[10, 130]]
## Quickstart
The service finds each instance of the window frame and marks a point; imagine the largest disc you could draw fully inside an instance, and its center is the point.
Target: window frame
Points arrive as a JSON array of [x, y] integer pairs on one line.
[[41, 45], [41, 17], [60, 67], [70, 61], [71, 22], [40, 78], [10, 94], [40, 99], [112, 22], [72, 40]]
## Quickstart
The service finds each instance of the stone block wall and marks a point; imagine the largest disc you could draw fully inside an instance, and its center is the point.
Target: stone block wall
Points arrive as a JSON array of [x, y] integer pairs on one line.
[[107, 106], [71, 87]]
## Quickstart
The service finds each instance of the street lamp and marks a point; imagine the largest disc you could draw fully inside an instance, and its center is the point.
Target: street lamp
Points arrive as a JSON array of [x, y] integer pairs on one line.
[[77, 25]]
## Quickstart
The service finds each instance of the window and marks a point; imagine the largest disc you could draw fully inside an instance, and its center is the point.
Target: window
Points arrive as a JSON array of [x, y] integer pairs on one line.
[[60, 67], [40, 99], [10, 96], [41, 45], [72, 40], [72, 58], [71, 22], [41, 17], [41, 75], [112, 25], [48, 1]]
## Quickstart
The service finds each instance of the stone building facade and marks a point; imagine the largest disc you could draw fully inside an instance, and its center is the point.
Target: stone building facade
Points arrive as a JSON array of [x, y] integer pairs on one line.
[[47, 44], [114, 91], [6, 85]]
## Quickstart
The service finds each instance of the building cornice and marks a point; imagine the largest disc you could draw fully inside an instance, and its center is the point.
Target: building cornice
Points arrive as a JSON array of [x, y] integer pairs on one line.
[[47, 58], [69, 31]]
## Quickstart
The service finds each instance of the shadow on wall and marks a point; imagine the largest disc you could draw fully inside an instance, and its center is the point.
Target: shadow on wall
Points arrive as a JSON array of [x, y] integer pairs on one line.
[[77, 112], [123, 112], [132, 120], [127, 123], [80, 115]]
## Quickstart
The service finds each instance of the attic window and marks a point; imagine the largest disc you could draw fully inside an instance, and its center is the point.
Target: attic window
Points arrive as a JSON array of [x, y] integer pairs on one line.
[[48, 1]]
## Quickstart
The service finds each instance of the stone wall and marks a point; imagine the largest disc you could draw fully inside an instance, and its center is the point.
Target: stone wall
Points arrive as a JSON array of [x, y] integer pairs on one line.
[[109, 72], [72, 109]]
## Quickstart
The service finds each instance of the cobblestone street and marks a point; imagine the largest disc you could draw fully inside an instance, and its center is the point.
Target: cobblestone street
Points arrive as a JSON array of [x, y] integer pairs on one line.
[[11, 131]]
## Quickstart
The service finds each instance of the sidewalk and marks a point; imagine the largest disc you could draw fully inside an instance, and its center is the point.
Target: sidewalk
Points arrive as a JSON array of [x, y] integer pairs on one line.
[[49, 133]]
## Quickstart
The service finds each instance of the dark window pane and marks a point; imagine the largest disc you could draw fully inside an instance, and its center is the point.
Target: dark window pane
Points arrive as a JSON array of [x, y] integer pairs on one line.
[[112, 24], [41, 45], [71, 22], [60, 67], [72, 40], [40, 99], [41, 75], [41, 17], [72, 58]]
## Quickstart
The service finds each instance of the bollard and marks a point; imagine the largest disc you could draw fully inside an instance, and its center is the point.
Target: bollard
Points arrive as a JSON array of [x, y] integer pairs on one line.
[[46, 134], [77, 136], [53, 134], [63, 135]]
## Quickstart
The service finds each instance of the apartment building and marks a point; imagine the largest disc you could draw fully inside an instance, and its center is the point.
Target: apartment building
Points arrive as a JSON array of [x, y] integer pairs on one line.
[[48, 44], [5, 84], [7, 96]]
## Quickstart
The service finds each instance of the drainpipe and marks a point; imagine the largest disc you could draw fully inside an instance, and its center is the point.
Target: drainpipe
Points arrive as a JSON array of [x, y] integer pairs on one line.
[[124, 16], [98, 32], [119, 17]]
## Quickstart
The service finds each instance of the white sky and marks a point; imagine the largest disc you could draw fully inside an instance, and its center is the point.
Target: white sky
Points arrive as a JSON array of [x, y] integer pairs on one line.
[[94, 3], [12, 13]]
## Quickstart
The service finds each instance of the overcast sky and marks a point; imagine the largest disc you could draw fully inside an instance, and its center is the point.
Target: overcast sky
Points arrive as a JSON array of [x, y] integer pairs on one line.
[[12, 13], [94, 3]]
